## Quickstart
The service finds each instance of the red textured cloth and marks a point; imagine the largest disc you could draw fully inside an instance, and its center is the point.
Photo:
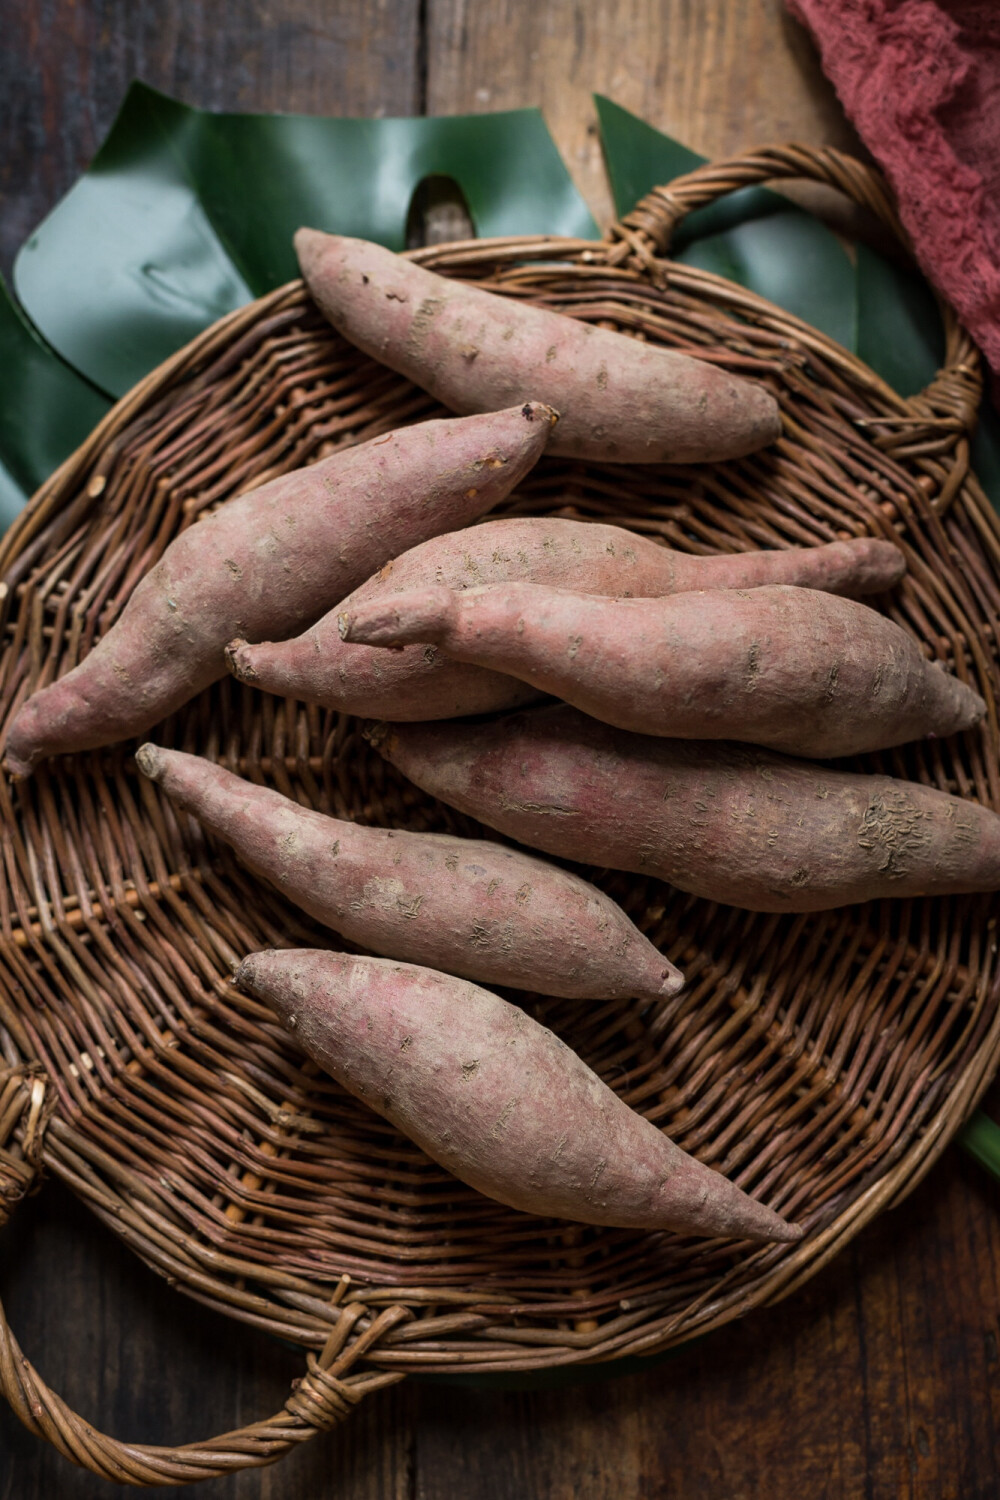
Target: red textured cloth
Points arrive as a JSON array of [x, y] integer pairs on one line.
[[920, 79]]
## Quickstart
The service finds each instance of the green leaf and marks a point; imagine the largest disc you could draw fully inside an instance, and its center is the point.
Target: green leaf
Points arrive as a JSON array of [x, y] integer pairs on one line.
[[46, 409], [639, 158], [981, 1138], [794, 261], [752, 237], [900, 333], [184, 215], [12, 497]]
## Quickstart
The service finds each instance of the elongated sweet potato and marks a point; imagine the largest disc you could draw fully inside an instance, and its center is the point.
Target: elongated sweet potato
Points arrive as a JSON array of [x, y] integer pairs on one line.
[[792, 669], [463, 905], [495, 1098], [268, 564], [417, 683], [618, 399], [728, 822]]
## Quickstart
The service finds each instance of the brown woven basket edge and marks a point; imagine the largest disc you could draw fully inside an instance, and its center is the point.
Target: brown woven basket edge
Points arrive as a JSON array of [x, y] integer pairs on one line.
[[893, 1184]]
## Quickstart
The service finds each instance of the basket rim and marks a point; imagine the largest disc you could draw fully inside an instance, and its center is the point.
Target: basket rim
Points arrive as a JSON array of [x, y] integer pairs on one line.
[[963, 359], [69, 1156]]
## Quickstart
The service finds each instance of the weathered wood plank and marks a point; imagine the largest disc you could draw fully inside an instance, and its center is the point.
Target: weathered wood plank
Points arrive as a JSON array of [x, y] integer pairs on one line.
[[64, 67], [875, 1380], [147, 1365], [719, 75]]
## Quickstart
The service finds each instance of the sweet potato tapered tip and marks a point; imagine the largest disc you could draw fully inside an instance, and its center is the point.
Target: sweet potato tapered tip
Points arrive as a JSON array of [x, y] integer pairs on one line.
[[620, 400], [17, 768], [794, 669], [309, 245], [245, 973], [235, 660], [149, 760], [20, 756], [466, 906], [496, 1098], [269, 563], [415, 615], [787, 1232]]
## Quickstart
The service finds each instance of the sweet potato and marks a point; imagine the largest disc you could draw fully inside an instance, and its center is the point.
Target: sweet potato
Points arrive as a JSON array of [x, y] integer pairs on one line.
[[792, 669], [618, 399], [494, 1097], [463, 905], [268, 564], [417, 683], [728, 822]]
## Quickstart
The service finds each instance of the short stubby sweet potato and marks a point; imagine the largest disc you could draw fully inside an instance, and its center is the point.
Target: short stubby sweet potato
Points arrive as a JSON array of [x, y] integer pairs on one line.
[[268, 564], [618, 399], [417, 682], [464, 905], [728, 822], [494, 1097], [792, 669]]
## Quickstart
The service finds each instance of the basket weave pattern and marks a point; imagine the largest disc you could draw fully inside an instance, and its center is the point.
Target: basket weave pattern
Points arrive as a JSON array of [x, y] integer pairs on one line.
[[822, 1061]]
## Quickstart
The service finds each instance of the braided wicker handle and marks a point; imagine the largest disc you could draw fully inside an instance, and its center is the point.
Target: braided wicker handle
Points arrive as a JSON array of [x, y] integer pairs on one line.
[[953, 396], [326, 1394]]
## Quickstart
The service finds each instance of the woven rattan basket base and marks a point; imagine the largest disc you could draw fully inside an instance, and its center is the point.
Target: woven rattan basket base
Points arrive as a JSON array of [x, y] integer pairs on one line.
[[822, 1061]]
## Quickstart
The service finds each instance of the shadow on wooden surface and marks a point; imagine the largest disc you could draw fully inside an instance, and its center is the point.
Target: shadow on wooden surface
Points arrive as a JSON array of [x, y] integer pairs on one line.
[[878, 1379]]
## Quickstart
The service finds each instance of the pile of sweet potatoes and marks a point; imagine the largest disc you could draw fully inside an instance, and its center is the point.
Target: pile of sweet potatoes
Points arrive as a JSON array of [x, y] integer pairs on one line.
[[687, 685]]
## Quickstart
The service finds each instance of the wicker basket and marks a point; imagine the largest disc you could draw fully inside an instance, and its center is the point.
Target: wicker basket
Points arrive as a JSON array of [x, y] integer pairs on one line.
[[822, 1061]]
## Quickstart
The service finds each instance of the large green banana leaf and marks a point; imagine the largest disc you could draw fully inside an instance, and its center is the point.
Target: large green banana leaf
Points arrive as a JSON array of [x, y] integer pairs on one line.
[[184, 215]]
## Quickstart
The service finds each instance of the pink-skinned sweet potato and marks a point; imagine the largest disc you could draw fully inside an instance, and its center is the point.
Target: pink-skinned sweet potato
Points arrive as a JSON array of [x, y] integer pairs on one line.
[[728, 822], [618, 399], [268, 564], [494, 1097], [420, 683], [464, 905], [792, 669]]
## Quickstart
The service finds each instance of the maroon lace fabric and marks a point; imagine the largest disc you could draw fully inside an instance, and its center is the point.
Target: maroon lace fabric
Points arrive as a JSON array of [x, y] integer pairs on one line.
[[920, 79]]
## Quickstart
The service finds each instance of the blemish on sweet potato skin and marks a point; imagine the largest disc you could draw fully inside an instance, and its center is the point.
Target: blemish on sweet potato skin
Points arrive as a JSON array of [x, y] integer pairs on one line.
[[419, 682], [732, 823], [495, 1098], [467, 905], [245, 572]]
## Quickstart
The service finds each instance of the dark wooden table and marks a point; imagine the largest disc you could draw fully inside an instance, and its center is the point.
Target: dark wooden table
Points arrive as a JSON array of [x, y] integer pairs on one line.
[[880, 1379]]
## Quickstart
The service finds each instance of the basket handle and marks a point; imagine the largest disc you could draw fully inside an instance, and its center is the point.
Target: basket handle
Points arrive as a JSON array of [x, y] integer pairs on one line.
[[954, 394], [325, 1395]]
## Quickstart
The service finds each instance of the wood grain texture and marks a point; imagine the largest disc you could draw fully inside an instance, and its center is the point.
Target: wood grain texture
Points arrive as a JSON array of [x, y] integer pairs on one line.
[[148, 1366], [872, 1381], [65, 65], [878, 1379], [719, 75]]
